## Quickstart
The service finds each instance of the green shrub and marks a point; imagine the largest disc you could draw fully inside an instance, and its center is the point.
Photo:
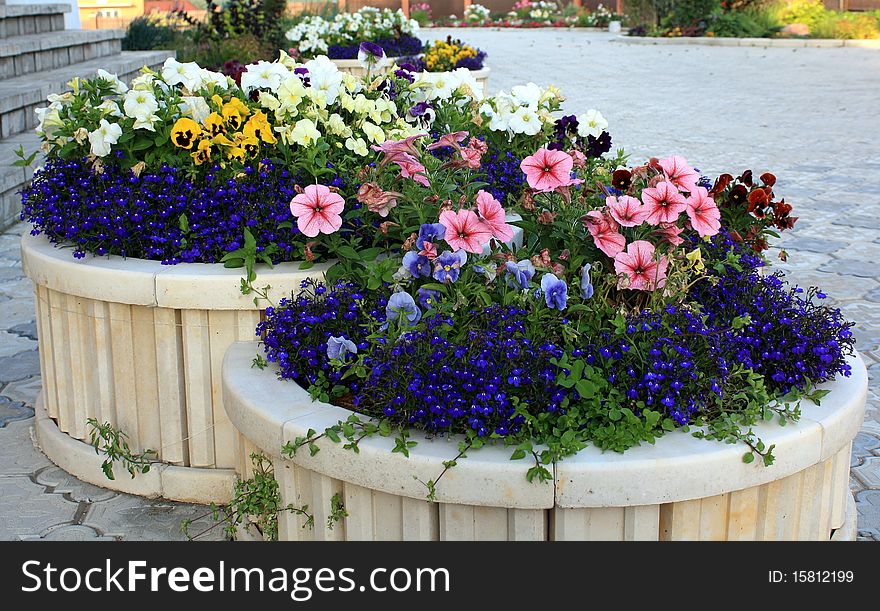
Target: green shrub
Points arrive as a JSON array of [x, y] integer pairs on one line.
[[690, 16], [753, 22], [809, 12], [145, 33]]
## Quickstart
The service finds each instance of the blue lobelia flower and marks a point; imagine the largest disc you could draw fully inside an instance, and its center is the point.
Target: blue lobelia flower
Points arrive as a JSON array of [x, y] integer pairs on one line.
[[430, 232], [447, 267], [521, 273], [427, 297], [416, 264], [339, 347], [555, 291], [402, 304], [586, 284]]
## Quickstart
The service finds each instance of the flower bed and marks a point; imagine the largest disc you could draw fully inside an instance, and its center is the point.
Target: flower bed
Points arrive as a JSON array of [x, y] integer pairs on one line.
[[533, 14], [680, 488]]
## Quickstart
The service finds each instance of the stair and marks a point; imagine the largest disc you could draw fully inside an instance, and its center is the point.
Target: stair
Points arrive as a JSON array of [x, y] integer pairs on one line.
[[38, 57], [23, 19]]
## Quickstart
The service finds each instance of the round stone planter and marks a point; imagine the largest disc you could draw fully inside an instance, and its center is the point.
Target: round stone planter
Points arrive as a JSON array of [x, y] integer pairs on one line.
[[352, 66], [139, 344], [681, 488]]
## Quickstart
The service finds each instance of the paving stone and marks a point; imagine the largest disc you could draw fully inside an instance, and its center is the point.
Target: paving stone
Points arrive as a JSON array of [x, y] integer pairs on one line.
[[136, 519], [23, 391], [18, 454], [27, 510], [69, 532], [869, 472], [814, 245], [11, 344], [851, 267], [20, 366], [18, 288], [13, 411], [58, 481], [28, 330], [16, 312]]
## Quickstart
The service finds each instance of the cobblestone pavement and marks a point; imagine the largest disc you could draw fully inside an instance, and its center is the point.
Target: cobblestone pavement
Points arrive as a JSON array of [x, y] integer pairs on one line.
[[808, 115]]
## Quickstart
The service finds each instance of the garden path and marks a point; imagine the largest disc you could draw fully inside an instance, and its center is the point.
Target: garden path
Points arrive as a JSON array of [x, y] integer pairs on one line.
[[809, 115]]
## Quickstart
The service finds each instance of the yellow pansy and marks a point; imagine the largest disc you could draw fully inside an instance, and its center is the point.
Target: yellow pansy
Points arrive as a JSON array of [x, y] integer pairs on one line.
[[258, 127], [214, 124], [185, 132], [234, 112], [203, 153], [249, 142]]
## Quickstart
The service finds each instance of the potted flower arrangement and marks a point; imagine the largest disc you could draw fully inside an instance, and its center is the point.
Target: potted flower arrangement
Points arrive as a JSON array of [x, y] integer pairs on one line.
[[340, 38], [451, 55], [630, 310]]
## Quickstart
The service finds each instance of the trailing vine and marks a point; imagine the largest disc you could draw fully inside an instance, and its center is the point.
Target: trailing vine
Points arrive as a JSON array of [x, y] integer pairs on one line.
[[113, 444]]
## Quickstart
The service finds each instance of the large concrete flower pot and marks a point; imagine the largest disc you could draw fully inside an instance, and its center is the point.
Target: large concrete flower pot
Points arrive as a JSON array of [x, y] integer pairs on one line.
[[679, 488], [139, 344]]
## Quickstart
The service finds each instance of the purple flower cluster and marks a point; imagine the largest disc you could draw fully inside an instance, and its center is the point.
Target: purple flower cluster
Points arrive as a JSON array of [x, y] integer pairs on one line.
[[439, 384], [162, 215], [565, 137], [500, 169], [402, 46], [303, 333]]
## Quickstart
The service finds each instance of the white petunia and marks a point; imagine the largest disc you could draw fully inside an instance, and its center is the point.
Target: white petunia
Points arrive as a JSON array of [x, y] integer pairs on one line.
[[218, 79], [139, 104], [188, 74], [325, 80], [118, 86], [49, 120], [103, 137], [263, 75], [144, 82], [196, 107], [110, 107], [527, 95], [304, 133], [591, 123], [525, 121], [467, 84], [442, 84]]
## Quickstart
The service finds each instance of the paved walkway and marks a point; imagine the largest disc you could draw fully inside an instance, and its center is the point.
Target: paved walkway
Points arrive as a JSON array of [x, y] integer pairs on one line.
[[808, 115]]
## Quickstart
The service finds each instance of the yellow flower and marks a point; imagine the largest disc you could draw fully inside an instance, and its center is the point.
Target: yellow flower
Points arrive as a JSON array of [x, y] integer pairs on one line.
[[214, 124], [203, 153], [696, 259], [249, 143], [258, 127], [236, 152], [185, 132], [235, 111]]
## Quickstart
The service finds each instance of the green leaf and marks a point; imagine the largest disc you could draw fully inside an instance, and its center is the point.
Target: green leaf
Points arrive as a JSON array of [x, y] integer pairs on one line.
[[749, 457], [347, 252]]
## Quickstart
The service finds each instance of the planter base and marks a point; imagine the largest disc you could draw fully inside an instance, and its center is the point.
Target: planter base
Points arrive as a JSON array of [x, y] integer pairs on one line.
[[185, 484]]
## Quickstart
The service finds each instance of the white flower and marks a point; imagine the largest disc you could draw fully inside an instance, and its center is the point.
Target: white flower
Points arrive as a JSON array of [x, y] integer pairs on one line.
[[357, 145], [110, 107], [188, 74], [263, 75], [373, 132], [290, 93], [527, 95], [304, 133], [337, 126], [218, 79], [325, 80], [118, 86], [139, 104], [196, 107], [591, 123], [442, 84], [144, 82], [368, 60], [49, 120], [525, 121], [103, 137], [467, 84]]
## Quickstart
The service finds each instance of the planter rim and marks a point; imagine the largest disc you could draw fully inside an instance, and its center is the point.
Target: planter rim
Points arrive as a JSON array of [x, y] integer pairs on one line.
[[201, 286], [353, 63], [678, 467]]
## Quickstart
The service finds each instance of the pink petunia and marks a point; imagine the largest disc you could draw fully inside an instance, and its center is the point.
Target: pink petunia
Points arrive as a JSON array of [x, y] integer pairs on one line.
[[669, 232], [603, 228], [626, 210], [547, 170], [428, 250], [410, 167], [471, 157], [407, 145], [494, 216], [664, 203], [679, 173], [465, 231], [317, 210], [704, 214], [638, 269], [452, 140]]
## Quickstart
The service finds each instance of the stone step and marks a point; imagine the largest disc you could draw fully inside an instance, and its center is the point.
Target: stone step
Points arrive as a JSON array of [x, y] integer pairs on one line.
[[19, 96], [20, 103], [23, 19], [22, 55]]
